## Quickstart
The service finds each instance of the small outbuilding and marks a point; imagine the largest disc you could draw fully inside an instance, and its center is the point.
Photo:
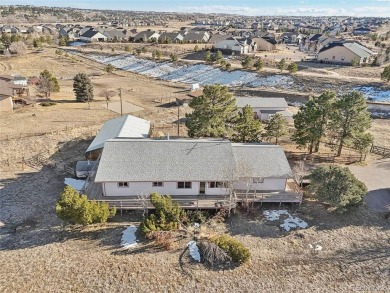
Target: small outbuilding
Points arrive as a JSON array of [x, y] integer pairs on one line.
[[126, 126]]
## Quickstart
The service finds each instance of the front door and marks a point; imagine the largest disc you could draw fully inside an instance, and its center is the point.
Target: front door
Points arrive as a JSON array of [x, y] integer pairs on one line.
[[202, 188]]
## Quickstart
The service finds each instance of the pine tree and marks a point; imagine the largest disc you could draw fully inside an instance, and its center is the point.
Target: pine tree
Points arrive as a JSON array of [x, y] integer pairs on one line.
[[213, 112], [259, 64], [47, 83], [218, 56], [276, 127], [312, 119], [349, 118], [207, 56], [83, 88], [72, 207], [337, 186], [385, 75], [362, 143], [246, 127], [282, 64], [62, 41], [292, 68], [247, 62]]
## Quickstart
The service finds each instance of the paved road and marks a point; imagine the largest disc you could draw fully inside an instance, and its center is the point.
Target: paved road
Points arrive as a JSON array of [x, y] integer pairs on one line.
[[377, 179]]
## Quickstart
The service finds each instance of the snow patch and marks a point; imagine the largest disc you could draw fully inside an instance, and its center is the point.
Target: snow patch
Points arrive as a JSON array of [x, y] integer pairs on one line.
[[129, 239], [76, 184], [374, 93], [289, 223], [274, 214], [192, 73], [194, 250]]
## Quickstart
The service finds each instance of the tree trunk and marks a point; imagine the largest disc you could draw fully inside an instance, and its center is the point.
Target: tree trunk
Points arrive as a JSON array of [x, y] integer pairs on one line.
[[340, 147], [276, 140], [317, 147]]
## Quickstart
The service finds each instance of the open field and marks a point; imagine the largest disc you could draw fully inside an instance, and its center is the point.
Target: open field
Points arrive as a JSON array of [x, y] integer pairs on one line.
[[37, 254]]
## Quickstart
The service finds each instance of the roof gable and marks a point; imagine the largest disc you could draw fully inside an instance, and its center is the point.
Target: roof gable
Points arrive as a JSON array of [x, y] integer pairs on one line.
[[122, 127]]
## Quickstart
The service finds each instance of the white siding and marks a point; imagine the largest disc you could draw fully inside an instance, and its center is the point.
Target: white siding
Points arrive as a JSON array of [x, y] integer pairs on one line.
[[137, 188], [268, 184], [338, 54]]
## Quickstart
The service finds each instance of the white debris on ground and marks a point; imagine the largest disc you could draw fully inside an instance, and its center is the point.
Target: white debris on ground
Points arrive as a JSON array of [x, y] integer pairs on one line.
[[193, 73], [129, 239], [194, 250], [76, 184], [289, 223], [196, 225], [315, 247]]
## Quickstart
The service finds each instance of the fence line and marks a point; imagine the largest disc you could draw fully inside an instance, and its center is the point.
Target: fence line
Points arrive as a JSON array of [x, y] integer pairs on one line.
[[385, 152], [323, 157]]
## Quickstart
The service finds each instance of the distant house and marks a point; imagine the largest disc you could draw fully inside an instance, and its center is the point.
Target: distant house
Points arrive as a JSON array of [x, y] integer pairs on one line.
[[344, 52], [122, 127], [361, 31], [93, 36], [146, 36], [114, 35], [291, 38], [197, 37], [265, 108], [197, 173], [233, 45], [172, 37], [265, 43]]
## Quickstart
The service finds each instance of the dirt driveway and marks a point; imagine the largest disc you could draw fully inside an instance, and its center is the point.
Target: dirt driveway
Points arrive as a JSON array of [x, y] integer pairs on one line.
[[377, 179]]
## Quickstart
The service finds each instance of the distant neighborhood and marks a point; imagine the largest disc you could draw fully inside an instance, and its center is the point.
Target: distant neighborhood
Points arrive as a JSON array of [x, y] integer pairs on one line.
[[335, 40]]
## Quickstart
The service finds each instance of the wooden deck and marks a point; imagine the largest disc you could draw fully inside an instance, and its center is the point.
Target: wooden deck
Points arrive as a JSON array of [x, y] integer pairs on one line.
[[292, 194]]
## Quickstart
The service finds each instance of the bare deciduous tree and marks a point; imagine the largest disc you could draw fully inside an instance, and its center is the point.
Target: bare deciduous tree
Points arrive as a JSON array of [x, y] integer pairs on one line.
[[107, 94], [19, 48], [300, 170]]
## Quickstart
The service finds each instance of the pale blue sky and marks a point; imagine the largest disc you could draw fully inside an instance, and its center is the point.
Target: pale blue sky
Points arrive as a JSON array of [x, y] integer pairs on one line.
[[246, 7]]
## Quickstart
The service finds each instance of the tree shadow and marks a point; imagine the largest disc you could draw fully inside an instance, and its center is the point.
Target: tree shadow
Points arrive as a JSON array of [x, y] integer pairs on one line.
[[378, 200]]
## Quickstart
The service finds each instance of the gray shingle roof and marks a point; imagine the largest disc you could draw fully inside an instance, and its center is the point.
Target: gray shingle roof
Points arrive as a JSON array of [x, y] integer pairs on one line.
[[259, 102], [261, 160], [355, 47], [122, 127], [188, 160]]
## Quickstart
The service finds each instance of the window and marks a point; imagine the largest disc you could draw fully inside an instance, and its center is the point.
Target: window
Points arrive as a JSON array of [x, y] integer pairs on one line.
[[123, 184], [216, 185], [184, 185], [157, 184], [258, 180]]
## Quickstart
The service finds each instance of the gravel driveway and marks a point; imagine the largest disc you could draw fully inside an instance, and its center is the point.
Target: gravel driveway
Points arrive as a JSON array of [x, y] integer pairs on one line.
[[377, 179]]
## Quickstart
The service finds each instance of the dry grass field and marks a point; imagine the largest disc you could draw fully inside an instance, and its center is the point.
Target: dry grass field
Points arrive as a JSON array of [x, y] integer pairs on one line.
[[39, 254]]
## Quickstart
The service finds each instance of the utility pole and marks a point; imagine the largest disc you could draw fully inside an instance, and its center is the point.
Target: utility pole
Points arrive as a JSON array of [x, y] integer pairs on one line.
[[178, 120], [120, 96]]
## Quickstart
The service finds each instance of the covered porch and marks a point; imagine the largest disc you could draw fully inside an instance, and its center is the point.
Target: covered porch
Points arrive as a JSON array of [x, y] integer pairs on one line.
[[292, 194]]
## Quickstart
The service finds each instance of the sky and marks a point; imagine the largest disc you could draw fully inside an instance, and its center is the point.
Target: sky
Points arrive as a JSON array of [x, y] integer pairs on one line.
[[379, 8]]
